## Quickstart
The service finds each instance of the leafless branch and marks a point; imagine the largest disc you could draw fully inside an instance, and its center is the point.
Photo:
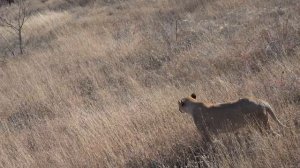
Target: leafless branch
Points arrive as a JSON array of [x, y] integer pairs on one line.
[[21, 18], [5, 22]]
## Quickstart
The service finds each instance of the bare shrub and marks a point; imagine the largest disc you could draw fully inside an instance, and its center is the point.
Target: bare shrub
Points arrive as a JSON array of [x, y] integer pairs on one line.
[[16, 22]]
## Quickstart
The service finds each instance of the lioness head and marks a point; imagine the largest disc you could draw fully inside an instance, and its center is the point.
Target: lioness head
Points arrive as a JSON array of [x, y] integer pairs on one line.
[[186, 105]]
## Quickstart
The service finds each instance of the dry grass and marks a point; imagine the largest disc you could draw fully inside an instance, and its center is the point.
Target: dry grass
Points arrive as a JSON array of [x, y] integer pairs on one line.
[[99, 83]]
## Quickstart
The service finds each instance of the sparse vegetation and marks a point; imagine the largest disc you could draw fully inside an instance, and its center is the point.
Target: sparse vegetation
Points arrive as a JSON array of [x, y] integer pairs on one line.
[[99, 82], [15, 22]]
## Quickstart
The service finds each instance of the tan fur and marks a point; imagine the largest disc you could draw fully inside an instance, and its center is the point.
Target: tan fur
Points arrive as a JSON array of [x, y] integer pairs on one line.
[[213, 119]]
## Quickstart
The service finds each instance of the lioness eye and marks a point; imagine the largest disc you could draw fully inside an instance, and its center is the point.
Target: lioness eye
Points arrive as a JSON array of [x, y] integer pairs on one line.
[[182, 103]]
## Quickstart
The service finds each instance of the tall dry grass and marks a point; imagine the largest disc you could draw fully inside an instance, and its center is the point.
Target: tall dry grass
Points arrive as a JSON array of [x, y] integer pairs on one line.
[[99, 83]]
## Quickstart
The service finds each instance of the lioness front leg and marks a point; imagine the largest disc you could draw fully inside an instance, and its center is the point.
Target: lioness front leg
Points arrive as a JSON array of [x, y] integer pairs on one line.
[[206, 136]]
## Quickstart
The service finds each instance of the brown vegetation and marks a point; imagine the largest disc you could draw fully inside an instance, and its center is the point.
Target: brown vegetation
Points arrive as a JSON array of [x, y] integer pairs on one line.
[[99, 82]]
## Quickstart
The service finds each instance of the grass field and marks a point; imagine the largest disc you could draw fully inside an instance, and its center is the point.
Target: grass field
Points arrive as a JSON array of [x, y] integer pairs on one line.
[[99, 81]]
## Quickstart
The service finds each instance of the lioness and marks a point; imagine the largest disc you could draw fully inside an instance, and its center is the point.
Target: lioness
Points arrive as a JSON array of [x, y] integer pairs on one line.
[[214, 119]]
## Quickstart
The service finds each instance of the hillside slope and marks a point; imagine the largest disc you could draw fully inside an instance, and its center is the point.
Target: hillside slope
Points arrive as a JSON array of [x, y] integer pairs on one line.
[[99, 82]]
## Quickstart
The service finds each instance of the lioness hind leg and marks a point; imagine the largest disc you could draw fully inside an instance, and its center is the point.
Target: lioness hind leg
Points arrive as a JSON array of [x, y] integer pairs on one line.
[[267, 127], [261, 124]]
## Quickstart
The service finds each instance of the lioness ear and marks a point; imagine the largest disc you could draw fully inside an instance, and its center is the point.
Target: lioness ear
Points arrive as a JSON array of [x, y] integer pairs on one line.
[[193, 95]]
